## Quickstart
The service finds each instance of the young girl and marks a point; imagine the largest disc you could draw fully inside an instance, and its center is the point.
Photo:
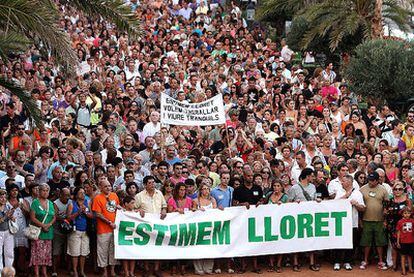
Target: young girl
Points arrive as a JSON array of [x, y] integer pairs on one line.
[[129, 265], [405, 239]]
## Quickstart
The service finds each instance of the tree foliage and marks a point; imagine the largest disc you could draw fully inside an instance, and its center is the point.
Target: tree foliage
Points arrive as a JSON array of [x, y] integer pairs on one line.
[[27, 22], [338, 20], [382, 69]]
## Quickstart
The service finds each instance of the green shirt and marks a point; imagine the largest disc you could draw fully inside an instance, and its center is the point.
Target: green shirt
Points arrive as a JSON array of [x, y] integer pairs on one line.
[[40, 213]]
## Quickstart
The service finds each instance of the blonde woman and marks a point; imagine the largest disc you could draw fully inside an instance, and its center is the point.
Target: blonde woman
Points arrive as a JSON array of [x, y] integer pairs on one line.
[[203, 202]]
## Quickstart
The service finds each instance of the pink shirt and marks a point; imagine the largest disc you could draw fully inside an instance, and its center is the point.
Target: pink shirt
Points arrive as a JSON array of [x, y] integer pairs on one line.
[[187, 205]]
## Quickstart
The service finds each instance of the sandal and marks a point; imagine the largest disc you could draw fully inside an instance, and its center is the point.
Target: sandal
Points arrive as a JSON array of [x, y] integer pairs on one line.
[[296, 268], [314, 267], [270, 269], [278, 269]]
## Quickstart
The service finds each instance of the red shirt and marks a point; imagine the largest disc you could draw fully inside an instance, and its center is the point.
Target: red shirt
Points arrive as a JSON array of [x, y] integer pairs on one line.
[[406, 228]]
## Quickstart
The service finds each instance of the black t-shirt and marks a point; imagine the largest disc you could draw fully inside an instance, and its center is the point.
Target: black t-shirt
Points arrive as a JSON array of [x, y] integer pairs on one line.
[[323, 190], [315, 113], [57, 186], [217, 147], [253, 195]]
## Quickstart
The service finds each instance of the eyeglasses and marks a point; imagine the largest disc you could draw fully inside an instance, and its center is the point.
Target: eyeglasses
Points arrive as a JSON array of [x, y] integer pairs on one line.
[[265, 172], [199, 167], [398, 189], [20, 129], [185, 172], [239, 167]]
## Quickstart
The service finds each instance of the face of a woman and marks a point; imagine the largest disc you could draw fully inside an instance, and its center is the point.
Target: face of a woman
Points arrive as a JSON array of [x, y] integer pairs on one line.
[[14, 193], [44, 193], [277, 187], [3, 198], [355, 118], [204, 190], [361, 179], [398, 190], [377, 159], [81, 194], [181, 191], [169, 187], [132, 190]]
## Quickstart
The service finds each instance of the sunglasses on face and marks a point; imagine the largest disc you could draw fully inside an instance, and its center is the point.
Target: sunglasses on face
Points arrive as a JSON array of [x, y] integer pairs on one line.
[[398, 189]]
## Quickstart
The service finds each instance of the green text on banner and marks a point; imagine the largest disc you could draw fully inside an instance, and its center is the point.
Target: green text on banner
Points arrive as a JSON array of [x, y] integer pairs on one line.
[[236, 231]]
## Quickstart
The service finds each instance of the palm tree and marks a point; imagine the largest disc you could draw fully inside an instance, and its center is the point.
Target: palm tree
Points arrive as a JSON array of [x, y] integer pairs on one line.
[[340, 19], [27, 22]]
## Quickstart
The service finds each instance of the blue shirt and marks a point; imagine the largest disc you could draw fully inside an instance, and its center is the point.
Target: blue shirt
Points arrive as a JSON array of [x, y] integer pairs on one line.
[[80, 221], [223, 197], [55, 164]]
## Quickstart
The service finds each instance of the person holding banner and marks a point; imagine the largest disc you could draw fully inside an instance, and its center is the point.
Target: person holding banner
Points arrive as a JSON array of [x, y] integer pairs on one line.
[[246, 195], [151, 200], [203, 202], [104, 206], [223, 194], [355, 197], [276, 196], [180, 203], [304, 190]]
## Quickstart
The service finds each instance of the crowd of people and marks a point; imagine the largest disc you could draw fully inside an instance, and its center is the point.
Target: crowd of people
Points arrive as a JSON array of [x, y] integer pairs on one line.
[[292, 134]]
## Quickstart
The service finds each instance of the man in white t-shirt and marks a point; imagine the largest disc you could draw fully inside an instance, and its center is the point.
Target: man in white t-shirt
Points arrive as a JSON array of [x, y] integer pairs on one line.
[[11, 173], [349, 193], [335, 186]]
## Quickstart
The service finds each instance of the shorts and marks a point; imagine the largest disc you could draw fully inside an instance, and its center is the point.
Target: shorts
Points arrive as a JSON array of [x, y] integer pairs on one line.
[[373, 234], [59, 244], [78, 244], [406, 249], [106, 250]]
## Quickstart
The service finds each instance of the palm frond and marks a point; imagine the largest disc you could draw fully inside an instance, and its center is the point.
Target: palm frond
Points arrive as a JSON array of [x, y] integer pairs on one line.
[[115, 11], [38, 22], [12, 42], [28, 102]]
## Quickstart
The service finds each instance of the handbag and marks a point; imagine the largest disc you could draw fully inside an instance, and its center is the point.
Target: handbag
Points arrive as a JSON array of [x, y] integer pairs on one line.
[[32, 232], [13, 227], [65, 227]]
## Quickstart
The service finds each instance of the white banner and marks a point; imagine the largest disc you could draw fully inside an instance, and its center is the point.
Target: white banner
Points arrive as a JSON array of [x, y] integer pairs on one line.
[[234, 232], [210, 112]]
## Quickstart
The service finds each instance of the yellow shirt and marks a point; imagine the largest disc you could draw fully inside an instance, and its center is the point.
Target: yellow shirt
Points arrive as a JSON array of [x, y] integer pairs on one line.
[[409, 142], [150, 204]]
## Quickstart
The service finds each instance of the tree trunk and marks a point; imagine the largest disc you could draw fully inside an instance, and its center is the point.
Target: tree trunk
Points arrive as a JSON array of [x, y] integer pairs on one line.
[[376, 27]]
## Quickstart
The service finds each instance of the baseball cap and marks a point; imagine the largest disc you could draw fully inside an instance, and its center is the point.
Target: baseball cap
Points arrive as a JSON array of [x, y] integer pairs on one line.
[[373, 176], [130, 160]]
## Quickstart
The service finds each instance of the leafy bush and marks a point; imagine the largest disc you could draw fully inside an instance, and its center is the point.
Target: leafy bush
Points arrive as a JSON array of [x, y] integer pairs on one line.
[[382, 69]]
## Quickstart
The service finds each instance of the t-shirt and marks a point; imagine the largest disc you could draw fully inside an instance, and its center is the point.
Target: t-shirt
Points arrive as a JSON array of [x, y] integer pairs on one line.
[[223, 197], [243, 194], [105, 205], [40, 213], [374, 198], [295, 193], [405, 226], [357, 196], [57, 186]]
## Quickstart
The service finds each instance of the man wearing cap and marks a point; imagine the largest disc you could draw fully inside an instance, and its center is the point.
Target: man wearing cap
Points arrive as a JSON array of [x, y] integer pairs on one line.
[[373, 219]]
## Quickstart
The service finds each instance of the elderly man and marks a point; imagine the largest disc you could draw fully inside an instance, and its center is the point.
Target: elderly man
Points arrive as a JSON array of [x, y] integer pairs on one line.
[[151, 200], [104, 206]]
